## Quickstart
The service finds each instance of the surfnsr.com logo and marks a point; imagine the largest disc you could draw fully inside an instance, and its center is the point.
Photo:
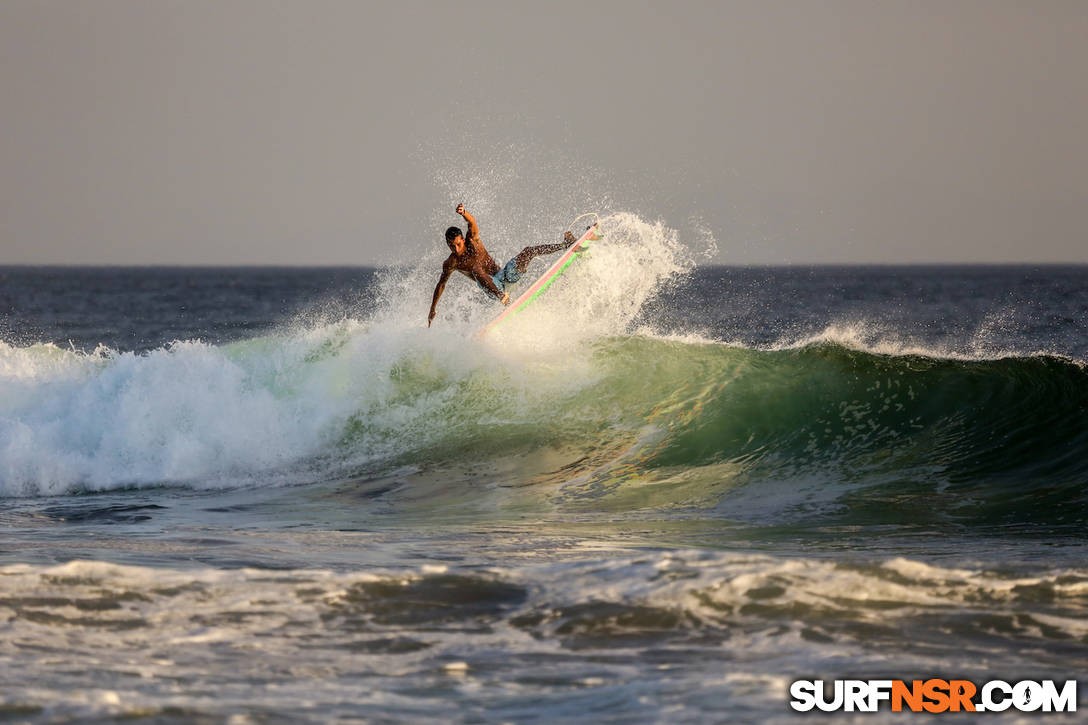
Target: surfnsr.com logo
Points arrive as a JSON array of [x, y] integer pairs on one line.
[[933, 695]]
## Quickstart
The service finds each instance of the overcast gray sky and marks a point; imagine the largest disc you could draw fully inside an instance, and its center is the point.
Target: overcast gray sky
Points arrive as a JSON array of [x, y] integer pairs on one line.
[[316, 132]]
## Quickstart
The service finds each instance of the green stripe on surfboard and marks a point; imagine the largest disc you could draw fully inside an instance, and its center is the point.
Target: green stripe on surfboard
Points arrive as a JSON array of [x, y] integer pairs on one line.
[[544, 283], [548, 282]]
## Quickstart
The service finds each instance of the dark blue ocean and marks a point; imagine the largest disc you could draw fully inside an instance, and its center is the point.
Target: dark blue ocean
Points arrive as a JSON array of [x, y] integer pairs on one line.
[[661, 494]]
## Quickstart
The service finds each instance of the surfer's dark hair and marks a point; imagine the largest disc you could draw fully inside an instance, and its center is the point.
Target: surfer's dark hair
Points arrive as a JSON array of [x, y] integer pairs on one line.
[[452, 233]]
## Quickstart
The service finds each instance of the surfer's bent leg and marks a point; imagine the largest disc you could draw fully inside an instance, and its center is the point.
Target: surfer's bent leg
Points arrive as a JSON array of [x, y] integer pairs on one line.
[[525, 255]]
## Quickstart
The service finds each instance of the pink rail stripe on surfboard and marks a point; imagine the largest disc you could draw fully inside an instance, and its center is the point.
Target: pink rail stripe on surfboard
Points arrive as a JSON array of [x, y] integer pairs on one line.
[[543, 280]]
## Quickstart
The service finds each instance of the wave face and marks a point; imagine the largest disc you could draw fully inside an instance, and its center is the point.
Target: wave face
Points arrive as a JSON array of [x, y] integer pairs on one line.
[[571, 408], [916, 438]]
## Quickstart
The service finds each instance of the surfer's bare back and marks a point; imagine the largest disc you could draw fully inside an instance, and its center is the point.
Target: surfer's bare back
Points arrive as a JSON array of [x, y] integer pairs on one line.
[[468, 256]]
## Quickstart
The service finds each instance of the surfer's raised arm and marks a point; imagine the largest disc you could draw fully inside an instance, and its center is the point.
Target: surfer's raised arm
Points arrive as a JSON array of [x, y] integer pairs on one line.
[[473, 229], [447, 270]]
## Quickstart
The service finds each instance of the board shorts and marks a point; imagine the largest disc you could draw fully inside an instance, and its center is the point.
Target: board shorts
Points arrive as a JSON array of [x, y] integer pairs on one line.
[[507, 275]]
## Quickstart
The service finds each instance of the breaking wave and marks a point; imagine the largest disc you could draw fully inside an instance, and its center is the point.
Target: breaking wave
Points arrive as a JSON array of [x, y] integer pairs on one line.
[[573, 402]]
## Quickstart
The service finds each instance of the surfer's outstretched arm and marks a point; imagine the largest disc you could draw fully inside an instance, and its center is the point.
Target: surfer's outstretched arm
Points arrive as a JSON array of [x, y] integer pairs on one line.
[[447, 270]]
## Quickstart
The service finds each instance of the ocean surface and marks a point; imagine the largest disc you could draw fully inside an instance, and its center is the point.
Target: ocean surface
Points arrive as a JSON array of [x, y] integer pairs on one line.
[[660, 494]]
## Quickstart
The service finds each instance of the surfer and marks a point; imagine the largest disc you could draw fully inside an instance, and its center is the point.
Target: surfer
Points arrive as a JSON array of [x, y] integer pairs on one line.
[[468, 256]]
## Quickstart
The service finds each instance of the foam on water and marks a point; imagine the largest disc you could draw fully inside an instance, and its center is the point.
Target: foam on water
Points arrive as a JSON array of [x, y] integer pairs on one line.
[[880, 340], [94, 639], [187, 412]]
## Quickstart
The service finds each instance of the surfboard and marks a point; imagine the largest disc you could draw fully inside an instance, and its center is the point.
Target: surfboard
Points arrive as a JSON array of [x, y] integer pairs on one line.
[[545, 280]]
